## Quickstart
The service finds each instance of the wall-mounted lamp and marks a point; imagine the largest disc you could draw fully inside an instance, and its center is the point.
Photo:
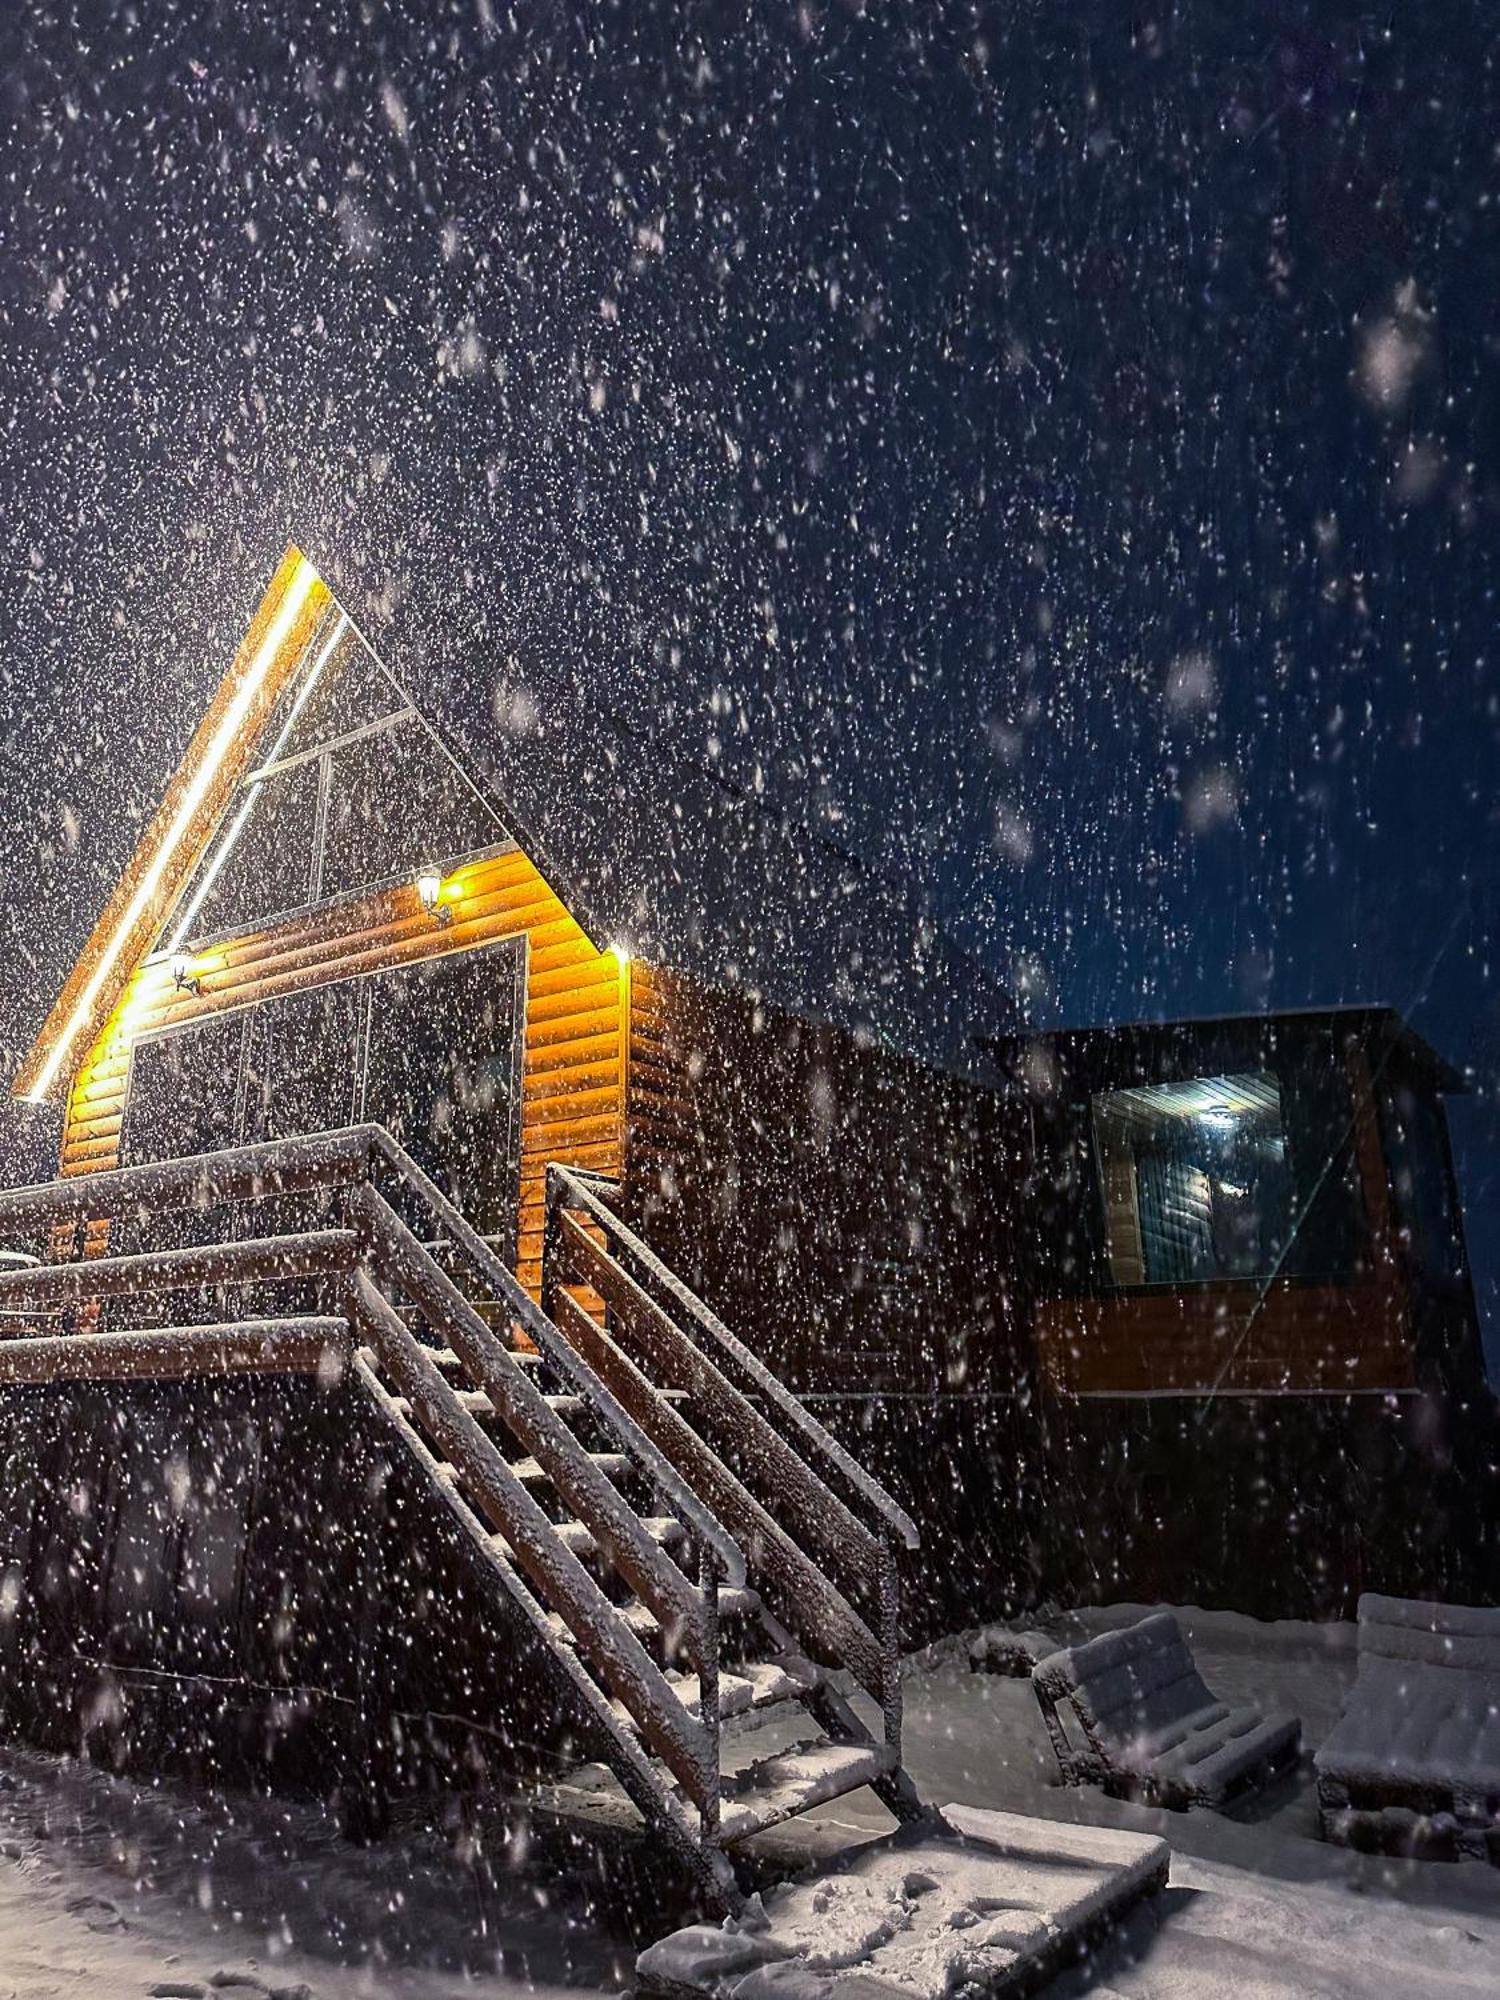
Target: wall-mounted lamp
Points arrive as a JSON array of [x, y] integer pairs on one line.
[[183, 977], [430, 890]]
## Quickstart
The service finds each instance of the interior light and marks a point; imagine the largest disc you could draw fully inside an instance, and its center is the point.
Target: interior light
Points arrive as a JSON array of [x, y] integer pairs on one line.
[[303, 581]]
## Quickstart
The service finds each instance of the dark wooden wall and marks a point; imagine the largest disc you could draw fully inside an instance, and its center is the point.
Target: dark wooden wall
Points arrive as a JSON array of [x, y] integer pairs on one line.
[[842, 1208], [298, 1614]]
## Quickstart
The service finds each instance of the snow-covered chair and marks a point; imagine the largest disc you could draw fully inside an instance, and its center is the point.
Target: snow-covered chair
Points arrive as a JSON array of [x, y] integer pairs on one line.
[[1130, 1711], [1415, 1757]]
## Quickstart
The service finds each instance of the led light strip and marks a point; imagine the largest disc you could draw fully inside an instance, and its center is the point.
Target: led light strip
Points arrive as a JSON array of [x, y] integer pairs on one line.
[[295, 597]]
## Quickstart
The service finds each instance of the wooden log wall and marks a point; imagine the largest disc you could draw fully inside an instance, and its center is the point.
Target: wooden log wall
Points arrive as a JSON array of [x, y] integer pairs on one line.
[[845, 1210], [576, 1015]]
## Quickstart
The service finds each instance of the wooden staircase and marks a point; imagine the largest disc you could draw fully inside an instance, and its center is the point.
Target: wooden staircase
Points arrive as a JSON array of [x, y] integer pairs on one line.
[[686, 1543]]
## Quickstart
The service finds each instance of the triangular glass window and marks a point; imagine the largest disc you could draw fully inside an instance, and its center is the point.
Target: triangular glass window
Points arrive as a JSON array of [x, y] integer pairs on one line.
[[341, 688], [351, 790]]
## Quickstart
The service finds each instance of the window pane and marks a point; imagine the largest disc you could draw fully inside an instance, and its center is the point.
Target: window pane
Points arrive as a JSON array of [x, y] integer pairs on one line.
[[1196, 1179], [267, 847], [183, 1095], [444, 1077], [300, 1074], [352, 691], [395, 802]]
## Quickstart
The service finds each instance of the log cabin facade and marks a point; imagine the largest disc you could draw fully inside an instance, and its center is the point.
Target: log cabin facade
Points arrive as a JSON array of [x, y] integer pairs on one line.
[[1029, 1299]]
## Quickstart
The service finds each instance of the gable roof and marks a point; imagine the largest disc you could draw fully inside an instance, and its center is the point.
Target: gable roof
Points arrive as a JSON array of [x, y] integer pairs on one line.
[[290, 612], [671, 863]]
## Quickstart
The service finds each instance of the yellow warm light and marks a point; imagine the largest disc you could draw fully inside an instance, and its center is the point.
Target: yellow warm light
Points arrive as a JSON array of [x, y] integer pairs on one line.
[[304, 578]]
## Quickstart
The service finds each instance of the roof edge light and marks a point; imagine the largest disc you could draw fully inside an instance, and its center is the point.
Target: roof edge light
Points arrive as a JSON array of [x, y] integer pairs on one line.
[[300, 585]]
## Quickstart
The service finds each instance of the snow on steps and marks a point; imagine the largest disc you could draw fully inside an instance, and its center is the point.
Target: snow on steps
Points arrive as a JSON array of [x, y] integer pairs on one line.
[[794, 1781], [642, 1620], [745, 1688], [971, 1901]]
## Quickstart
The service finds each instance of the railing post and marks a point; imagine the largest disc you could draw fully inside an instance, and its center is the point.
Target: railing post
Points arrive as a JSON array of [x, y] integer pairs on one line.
[[890, 1644], [552, 1242], [708, 1683]]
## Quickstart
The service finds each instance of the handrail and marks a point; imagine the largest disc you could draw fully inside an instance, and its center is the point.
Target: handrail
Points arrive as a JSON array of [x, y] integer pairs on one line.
[[251, 1260], [274, 1166], [683, 1502], [780, 1559], [780, 1398], [762, 1457]]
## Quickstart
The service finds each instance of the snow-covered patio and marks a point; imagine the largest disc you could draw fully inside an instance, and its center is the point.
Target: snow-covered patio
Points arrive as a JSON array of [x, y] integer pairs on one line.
[[106, 1889]]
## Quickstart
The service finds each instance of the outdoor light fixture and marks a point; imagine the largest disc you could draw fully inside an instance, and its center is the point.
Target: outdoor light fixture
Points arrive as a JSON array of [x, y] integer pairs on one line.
[[430, 890], [183, 976]]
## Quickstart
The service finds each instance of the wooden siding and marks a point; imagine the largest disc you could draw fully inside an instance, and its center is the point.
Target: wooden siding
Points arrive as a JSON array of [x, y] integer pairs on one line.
[[841, 1207], [1308, 1339], [573, 1077]]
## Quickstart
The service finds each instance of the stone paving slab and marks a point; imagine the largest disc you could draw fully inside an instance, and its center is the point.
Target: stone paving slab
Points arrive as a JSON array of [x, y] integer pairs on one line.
[[985, 1902]]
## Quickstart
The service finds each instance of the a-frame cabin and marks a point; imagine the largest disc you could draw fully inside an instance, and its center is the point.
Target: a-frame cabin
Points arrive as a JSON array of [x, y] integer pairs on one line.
[[353, 1425]]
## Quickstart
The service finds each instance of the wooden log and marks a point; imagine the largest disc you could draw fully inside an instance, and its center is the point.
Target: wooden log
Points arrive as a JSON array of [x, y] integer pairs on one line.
[[164, 1354], [255, 1260], [327, 1159]]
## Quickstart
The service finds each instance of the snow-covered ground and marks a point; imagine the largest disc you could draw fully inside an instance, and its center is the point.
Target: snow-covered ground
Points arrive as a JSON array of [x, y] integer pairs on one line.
[[109, 1890]]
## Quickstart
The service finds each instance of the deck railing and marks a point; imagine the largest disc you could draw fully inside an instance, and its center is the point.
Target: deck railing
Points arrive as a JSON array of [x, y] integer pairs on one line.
[[413, 1307], [379, 1272], [755, 1447]]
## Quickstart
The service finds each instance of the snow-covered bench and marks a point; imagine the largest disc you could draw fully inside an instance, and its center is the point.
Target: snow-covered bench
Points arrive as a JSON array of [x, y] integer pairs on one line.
[[1415, 1757], [1130, 1711]]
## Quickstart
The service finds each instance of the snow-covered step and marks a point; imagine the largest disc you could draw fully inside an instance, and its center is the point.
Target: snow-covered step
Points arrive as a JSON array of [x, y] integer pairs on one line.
[[479, 1405], [448, 1363], [666, 1532], [743, 1688], [793, 1781], [531, 1472], [753, 1685], [642, 1620]]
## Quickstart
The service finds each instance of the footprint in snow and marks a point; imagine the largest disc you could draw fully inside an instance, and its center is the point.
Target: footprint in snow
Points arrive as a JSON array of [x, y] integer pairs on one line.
[[96, 1911]]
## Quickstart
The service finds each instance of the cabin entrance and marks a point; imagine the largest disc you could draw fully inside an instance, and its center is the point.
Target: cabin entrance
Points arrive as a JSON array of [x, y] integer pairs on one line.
[[432, 1051]]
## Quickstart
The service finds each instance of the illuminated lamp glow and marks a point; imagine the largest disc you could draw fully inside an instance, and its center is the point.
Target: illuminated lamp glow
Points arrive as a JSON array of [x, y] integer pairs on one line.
[[304, 577]]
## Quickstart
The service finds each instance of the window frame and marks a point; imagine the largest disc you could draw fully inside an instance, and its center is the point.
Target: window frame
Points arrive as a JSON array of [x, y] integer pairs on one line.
[[1103, 1260], [322, 754]]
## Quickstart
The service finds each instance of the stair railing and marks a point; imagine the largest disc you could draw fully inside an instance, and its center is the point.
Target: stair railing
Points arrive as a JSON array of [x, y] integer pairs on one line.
[[771, 1465], [372, 1257]]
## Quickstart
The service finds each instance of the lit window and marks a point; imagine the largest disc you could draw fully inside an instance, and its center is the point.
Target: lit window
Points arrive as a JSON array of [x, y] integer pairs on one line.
[[1195, 1178]]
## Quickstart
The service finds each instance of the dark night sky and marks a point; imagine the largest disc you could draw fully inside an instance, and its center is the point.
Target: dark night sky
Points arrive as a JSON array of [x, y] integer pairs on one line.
[[1048, 454]]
